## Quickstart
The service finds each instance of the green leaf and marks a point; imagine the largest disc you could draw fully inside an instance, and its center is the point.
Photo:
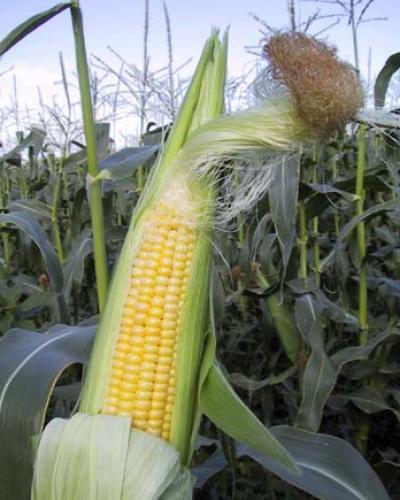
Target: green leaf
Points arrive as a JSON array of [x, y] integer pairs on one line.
[[330, 468], [34, 231], [374, 211], [240, 380], [318, 202], [223, 407], [74, 265], [102, 130], [320, 374], [35, 139], [359, 353], [283, 194], [36, 208], [124, 162], [368, 399], [30, 25], [383, 79], [30, 365]]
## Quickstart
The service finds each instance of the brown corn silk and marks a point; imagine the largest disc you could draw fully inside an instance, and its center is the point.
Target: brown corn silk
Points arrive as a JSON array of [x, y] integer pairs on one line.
[[326, 91]]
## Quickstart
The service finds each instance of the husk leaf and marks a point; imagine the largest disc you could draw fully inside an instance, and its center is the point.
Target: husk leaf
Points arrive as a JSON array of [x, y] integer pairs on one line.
[[101, 458]]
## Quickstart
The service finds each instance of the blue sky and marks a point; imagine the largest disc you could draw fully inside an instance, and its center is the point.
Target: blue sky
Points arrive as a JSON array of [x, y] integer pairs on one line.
[[119, 24]]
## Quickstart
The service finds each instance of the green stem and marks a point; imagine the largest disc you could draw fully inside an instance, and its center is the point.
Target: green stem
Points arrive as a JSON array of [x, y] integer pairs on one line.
[[336, 220], [95, 190], [4, 234], [364, 423], [361, 243], [54, 216], [315, 228], [303, 239]]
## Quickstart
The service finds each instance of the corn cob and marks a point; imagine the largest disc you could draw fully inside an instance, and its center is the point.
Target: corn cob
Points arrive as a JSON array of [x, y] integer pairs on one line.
[[142, 379]]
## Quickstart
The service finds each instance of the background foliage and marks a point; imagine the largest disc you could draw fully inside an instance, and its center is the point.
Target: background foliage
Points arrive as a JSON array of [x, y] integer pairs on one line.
[[306, 290]]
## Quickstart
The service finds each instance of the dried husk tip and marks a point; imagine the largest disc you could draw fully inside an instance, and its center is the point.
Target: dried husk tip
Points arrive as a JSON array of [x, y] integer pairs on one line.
[[326, 91]]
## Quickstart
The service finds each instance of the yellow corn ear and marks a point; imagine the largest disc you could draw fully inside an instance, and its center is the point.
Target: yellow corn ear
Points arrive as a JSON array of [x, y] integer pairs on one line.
[[142, 379]]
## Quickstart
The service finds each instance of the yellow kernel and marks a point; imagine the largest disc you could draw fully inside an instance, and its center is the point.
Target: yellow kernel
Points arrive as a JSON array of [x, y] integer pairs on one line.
[[143, 405], [130, 377], [165, 351], [122, 348], [179, 265], [147, 281], [170, 243], [158, 404], [151, 348], [165, 435], [113, 391], [178, 273], [181, 247], [147, 376], [159, 396], [140, 318], [117, 372], [166, 426], [126, 330], [128, 386], [138, 330], [161, 280], [146, 365], [173, 291], [168, 342], [132, 369], [153, 322], [160, 291], [168, 334], [163, 369], [144, 387], [150, 356], [127, 321], [171, 307], [137, 341], [153, 339], [149, 273], [126, 405], [142, 306], [124, 337], [128, 311], [112, 401], [140, 414], [140, 424], [167, 261], [170, 315], [164, 360], [175, 281], [155, 414], [143, 394], [161, 377], [119, 360]]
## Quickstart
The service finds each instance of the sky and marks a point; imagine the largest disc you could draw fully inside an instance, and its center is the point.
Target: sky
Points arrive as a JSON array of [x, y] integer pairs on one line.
[[119, 24]]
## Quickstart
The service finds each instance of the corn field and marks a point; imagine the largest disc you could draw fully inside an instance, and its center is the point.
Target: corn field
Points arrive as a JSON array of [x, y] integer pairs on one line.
[[213, 313]]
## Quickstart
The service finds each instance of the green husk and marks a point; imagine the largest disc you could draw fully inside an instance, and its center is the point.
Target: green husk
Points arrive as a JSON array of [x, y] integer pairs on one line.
[[197, 107], [99, 457]]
